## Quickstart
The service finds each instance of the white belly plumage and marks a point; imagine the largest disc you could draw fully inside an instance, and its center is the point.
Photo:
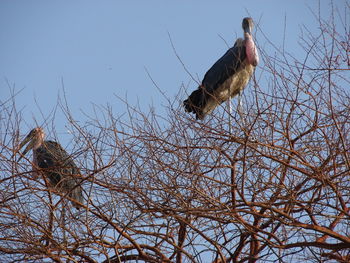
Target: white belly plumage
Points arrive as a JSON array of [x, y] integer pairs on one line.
[[230, 88]]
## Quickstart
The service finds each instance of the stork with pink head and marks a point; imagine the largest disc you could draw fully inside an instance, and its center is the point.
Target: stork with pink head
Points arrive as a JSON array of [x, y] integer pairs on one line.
[[228, 76], [56, 166]]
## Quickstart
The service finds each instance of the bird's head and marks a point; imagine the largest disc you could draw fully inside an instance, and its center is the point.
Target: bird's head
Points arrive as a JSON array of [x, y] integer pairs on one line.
[[247, 25], [251, 51], [35, 138]]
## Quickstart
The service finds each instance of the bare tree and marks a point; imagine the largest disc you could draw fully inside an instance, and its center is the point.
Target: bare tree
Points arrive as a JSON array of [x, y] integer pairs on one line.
[[274, 187]]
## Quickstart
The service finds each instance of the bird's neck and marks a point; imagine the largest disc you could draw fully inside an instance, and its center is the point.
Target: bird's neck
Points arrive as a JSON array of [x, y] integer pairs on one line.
[[251, 51], [37, 144]]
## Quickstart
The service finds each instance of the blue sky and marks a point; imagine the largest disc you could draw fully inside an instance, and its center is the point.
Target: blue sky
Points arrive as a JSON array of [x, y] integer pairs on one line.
[[99, 49]]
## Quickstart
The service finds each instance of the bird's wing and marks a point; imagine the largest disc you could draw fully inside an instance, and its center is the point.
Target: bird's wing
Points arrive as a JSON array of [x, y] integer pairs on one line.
[[48, 161], [55, 160], [225, 67], [60, 169], [60, 154], [222, 70], [71, 183]]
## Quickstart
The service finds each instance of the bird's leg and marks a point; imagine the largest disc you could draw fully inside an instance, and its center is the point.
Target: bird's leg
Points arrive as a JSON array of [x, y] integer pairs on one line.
[[50, 225], [240, 107], [229, 115], [241, 114], [63, 222], [240, 104]]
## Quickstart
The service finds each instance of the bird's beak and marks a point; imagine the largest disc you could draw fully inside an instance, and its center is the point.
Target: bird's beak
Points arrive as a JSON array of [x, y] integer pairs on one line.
[[248, 30], [29, 146]]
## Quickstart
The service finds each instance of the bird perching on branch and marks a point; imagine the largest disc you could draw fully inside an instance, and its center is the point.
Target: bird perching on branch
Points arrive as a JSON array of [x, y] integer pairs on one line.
[[53, 162], [227, 77]]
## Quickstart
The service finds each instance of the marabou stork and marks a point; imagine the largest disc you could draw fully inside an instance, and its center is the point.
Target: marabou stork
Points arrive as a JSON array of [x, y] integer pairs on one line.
[[227, 77], [53, 162]]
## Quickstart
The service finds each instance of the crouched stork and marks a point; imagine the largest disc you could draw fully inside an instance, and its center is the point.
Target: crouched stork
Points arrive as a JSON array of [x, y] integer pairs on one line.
[[227, 77], [54, 163]]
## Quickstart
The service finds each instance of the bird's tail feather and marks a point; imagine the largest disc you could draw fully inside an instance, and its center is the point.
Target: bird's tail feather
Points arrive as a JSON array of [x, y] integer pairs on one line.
[[77, 195], [195, 103], [76, 192]]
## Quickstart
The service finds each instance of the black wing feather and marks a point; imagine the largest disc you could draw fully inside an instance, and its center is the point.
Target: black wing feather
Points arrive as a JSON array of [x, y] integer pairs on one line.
[[223, 69], [60, 169], [48, 157]]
